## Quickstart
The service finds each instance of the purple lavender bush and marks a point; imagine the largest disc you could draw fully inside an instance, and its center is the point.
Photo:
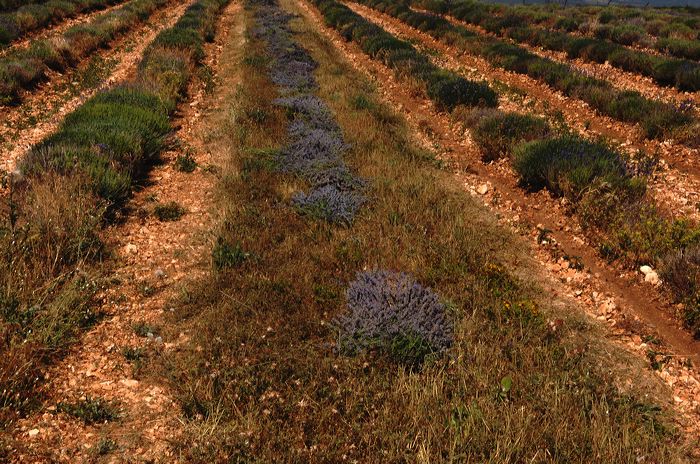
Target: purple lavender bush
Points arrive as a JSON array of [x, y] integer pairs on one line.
[[393, 313], [315, 144], [330, 203]]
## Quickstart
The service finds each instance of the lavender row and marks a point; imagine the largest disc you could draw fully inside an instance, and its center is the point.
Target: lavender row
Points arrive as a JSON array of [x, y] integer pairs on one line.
[[315, 145]]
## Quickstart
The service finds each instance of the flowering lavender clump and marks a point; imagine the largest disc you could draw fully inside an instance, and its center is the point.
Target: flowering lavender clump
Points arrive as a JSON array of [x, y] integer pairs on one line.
[[330, 203], [392, 312], [315, 144]]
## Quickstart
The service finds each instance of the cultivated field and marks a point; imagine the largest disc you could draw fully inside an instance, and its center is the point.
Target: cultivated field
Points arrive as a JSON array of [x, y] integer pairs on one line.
[[371, 231]]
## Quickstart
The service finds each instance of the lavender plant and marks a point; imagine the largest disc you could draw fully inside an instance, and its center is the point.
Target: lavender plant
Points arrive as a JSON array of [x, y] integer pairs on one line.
[[315, 144], [330, 203], [392, 312]]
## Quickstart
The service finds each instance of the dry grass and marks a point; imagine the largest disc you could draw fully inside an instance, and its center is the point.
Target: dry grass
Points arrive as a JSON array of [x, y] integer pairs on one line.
[[261, 380], [50, 248]]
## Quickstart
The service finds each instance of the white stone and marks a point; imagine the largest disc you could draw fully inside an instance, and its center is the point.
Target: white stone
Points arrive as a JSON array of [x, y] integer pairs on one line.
[[652, 278], [646, 270]]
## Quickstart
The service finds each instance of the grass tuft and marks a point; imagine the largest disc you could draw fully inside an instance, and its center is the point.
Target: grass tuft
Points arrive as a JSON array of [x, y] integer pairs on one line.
[[90, 410], [169, 212]]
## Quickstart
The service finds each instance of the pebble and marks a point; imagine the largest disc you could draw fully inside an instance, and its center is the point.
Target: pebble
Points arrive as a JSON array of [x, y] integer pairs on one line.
[[160, 273], [482, 189], [652, 278], [129, 382], [646, 270], [33, 432]]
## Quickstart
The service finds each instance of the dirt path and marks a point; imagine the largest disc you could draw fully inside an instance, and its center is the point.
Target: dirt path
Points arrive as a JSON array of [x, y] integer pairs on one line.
[[675, 188], [154, 260], [43, 110], [631, 310], [52, 30]]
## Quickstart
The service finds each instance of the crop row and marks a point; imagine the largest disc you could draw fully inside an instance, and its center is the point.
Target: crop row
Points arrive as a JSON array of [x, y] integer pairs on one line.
[[73, 179], [657, 119], [314, 151], [8, 5], [675, 34], [606, 192], [22, 69], [34, 16], [682, 74], [310, 286], [445, 88]]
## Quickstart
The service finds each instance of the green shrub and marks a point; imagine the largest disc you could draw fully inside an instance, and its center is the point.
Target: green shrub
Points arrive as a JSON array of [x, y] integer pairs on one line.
[[497, 135], [449, 90], [683, 48], [568, 165], [185, 162]]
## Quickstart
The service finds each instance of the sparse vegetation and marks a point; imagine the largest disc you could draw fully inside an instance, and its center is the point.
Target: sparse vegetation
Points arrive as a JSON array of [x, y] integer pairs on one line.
[[185, 162], [68, 185], [168, 212], [90, 410]]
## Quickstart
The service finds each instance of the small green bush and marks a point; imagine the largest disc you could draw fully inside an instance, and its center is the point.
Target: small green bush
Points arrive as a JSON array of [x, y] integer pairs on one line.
[[169, 212], [497, 135], [449, 90], [567, 165], [185, 162]]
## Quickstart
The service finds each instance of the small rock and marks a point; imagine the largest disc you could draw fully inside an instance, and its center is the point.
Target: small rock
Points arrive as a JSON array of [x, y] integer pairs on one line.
[[130, 249], [160, 273], [646, 270], [482, 189], [652, 278], [33, 432], [129, 382], [17, 177]]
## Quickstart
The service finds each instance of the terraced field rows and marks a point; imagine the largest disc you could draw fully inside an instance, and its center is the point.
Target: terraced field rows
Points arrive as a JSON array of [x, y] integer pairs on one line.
[[42, 111], [683, 74], [280, 230], [20, 23]]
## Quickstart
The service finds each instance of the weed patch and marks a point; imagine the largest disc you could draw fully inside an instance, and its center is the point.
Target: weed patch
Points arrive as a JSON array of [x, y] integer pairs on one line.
[[90, 410], [169, 212]]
